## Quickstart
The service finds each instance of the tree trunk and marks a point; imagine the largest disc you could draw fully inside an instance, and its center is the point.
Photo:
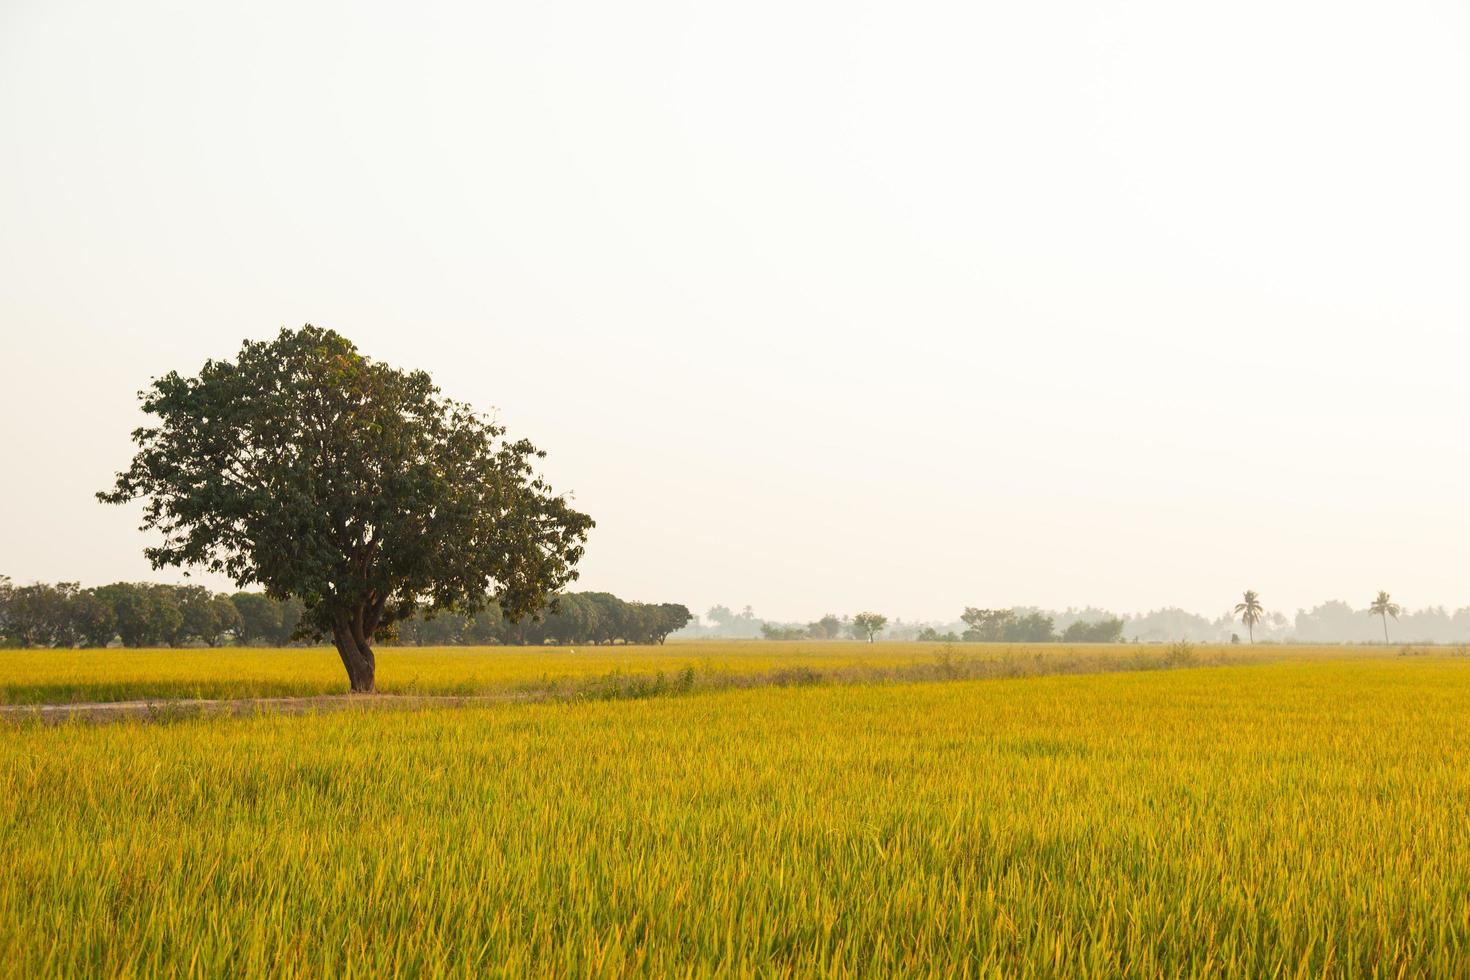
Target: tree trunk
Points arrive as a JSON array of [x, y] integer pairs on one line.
[[356, 653], [1385, 631]]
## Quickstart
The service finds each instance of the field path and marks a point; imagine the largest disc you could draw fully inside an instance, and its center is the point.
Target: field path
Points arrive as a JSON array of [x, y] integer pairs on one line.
[[167, 708]]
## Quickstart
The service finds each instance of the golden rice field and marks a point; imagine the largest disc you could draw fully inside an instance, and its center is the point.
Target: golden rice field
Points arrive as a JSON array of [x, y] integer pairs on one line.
[[1305, 816], [59, 676]]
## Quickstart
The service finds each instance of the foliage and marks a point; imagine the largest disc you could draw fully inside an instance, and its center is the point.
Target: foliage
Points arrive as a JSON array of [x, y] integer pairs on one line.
[[591, 618], [319, 473], [1383, 606], [1106, 631], [829, 627], [1250, 611], [868, 625], [1033, 627], [41, 615], [986, 625]]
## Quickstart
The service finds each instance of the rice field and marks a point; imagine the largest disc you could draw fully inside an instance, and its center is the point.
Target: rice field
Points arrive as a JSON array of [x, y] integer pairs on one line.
[[1305, 816], [62, 676]]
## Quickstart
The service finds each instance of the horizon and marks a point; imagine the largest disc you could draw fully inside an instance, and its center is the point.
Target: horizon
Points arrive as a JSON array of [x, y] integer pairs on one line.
[[701, 614]]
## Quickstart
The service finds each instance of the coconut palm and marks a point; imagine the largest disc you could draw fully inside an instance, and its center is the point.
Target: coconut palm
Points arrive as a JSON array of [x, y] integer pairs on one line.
[[1384, 607], [1250, 612]]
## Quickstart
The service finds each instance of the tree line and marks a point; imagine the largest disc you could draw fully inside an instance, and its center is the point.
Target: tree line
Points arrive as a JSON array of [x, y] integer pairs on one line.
[[1382, 621], [975, 626], [138, 614], [591, 618], [1025, 626]]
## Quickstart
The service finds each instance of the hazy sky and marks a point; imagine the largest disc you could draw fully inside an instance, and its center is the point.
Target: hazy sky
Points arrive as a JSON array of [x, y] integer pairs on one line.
[[815, 305]]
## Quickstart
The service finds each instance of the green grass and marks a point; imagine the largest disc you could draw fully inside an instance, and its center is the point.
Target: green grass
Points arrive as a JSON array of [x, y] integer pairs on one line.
[[1275, 819]]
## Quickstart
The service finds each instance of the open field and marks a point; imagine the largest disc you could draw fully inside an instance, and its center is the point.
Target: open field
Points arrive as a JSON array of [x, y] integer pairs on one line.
[[1303, 816], [61, 676]]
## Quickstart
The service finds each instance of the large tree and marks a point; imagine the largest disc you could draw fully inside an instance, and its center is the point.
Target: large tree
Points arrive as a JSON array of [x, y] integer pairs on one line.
[[316, 472], [1383, 606]]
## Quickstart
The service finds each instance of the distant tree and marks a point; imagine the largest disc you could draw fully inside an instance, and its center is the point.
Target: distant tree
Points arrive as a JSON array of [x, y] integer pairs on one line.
[[1332, 622], [611, 623], [829, 627], [1250, 611], [260, 617], [205, 617], [672, 617], [92, 618], [869, 624], [485, 625], [1033, 627], [1383, 606], [641, 623], [735, 625], [308, 468], [783, 631], [430, 629], [41, 615], [1107, 631], [572, 619], [133, 613], [987, 625], [6, 591]]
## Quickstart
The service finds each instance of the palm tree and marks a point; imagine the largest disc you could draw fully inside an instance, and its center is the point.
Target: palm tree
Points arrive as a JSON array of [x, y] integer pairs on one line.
[[1250, 612], [1385, 607]]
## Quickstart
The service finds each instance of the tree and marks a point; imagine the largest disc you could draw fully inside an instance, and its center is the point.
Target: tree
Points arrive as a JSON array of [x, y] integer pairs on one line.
[[986, 625], [573, 620], [260, 617], [140, 616], [6, 591], [1109, 630], [783, 631], [1034, 627], [672, 617], [317, 472], [1384, 607], [484, 626], [92, 619], [41, 615], [869, 624], [609, 617], [205, 617], [829, 627], [1250, 611]]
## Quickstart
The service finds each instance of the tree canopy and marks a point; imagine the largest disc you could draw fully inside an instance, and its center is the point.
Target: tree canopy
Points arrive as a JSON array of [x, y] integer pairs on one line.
[[869, 624], [310, 469]]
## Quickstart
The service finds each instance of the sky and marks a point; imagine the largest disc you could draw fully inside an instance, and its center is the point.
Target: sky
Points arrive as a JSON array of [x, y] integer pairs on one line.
[[816, 306]]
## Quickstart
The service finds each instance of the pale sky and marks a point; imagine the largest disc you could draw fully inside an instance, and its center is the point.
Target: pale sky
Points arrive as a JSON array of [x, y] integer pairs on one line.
[[815, 305]]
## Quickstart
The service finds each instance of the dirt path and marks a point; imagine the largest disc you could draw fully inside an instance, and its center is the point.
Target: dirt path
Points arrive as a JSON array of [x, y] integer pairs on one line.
[[168, 708]]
